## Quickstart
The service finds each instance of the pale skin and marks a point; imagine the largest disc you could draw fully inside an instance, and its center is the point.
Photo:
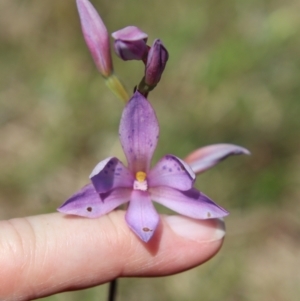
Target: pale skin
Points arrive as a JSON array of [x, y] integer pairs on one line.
[[47, 254]]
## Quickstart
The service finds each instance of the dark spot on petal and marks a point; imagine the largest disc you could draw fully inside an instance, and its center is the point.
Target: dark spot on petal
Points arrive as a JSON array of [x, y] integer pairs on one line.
[[208, 214], [170, 169], [145, 229], [106, 172], [89, 209], [117, 174], [164, 167], [178, 168]]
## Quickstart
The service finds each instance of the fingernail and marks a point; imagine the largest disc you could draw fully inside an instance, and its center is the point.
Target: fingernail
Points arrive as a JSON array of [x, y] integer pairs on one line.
[[197, 230]]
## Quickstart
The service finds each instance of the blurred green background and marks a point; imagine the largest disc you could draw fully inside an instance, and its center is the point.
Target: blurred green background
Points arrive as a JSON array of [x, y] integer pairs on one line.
[[233, 76]]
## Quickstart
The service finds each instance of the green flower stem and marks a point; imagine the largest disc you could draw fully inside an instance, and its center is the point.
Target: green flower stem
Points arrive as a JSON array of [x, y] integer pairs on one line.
[[144, 88], [112, 294], [117, 87]]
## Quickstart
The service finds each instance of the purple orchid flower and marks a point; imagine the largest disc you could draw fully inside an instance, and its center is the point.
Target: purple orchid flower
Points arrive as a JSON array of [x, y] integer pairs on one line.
[[169, 182], [130, 43]]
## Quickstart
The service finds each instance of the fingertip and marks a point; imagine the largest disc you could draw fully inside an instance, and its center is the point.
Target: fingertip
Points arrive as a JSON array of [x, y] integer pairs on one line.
[[197, 230], [74, 253], [178, 244]]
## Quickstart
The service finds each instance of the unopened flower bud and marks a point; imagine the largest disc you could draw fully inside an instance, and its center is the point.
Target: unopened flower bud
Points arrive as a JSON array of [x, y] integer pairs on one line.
[[130, 43], [96, 37], [156, 62]]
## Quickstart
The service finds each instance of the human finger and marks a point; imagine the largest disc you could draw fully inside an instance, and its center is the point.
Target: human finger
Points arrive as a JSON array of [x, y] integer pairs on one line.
[[46, 254]]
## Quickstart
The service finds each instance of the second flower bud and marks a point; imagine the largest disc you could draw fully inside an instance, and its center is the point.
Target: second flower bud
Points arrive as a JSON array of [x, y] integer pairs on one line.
[[130, 43]]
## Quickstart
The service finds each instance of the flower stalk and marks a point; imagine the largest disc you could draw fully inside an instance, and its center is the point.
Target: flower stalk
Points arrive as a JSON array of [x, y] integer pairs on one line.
[[114, 84]]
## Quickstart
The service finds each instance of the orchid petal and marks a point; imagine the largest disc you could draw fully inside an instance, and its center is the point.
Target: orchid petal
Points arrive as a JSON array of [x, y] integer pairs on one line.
[[130, 43], [172, 172], [130, 33], [96, 36], [109, 174], [191, 203], [138, 132], [141, 215], [208, 156], [87, 202], [130, 50]]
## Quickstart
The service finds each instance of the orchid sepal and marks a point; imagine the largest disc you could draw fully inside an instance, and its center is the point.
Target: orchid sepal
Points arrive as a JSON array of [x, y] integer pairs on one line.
[[208, 156], [130, 43], [191, 203], [88, 203]]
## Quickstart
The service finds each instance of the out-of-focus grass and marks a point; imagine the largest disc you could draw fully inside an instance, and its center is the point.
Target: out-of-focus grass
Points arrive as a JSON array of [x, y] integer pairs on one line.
[[233, 76]]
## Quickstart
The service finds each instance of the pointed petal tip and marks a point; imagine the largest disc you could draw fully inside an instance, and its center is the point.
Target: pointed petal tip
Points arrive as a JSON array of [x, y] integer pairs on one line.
[[143, 232], [59, 209], [222, 213], [237, 150], [145, 236], [210, 155], [141, 216], [84, 202], [191, 203], [88, 203], [245, 151]]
